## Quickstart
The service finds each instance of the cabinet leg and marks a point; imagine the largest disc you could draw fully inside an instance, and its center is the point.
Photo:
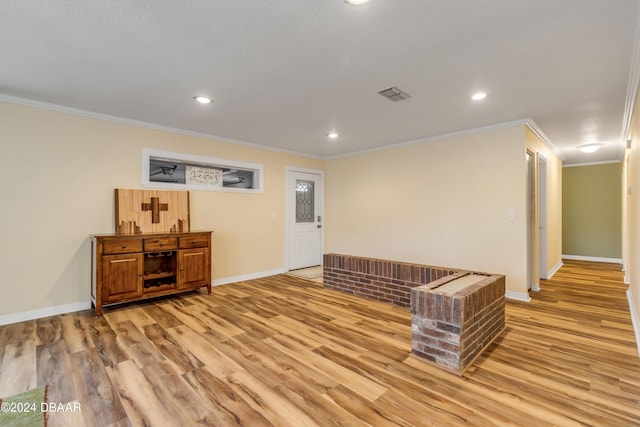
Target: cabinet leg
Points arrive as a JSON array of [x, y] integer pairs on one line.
[[209, 288]]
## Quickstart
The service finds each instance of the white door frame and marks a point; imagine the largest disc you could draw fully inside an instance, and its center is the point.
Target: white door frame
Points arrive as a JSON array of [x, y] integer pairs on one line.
[[290, 204], [530, 196], [543, 257]]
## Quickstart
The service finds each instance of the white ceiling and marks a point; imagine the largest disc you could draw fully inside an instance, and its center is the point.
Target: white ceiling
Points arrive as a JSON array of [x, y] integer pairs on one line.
[[284, 73]]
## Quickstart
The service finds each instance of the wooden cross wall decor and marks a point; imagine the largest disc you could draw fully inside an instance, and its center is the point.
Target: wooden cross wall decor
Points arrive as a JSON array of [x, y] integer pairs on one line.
[[155, 207], [169, 211]]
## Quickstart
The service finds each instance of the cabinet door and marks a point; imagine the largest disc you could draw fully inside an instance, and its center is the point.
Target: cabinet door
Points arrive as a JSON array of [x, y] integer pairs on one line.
[[122, 277], [194, 267]]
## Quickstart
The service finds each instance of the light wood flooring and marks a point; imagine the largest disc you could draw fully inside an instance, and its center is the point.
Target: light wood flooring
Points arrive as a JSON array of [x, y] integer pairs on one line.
[[283, 351]]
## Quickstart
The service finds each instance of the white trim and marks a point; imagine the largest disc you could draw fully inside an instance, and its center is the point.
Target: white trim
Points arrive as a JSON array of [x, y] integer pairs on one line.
[[573, 165], [289, 168], [138, 123], [250, 276], [288, 203], [632, 84], [635, 320], [592, 259], [546, 141], [146, 125], [79, 306], [542, 213], [518, 296], [44, 312], [535, 287], [554, 270], [498, 126]]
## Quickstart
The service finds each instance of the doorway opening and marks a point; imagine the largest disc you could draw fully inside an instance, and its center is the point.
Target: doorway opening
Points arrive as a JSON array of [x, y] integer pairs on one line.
[[542, 219], [537, 239]]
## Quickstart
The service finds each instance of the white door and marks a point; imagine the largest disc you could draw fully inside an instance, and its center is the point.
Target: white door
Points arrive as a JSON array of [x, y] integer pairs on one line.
[[305, 220]]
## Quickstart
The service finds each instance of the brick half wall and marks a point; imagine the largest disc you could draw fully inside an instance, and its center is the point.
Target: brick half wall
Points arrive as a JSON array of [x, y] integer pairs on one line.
[[451, 326], [451, 329], [379, 280]]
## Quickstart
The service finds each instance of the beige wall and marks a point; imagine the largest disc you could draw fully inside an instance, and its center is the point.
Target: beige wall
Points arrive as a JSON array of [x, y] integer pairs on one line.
[[553, 228], [442, 202], [405, 203], [631, 217], [59, 172], [592, 216]]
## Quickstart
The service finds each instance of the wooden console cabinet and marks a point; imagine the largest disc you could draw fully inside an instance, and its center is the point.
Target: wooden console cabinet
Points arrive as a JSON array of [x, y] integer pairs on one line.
[[129, 267]]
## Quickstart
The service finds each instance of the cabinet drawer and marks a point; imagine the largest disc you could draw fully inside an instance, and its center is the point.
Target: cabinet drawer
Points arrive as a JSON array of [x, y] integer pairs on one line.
[[122, 246], [162, 244], [197, 241]]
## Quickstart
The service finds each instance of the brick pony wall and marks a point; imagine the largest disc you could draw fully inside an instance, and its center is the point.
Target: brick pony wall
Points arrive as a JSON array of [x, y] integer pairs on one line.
[[452, 330], [449, 330], [376, 279]]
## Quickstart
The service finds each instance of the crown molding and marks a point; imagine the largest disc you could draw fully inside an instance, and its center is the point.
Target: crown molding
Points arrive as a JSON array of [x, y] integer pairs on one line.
[[632, 85], [141, 124], [545, 140], [488, 128], [605, 162]]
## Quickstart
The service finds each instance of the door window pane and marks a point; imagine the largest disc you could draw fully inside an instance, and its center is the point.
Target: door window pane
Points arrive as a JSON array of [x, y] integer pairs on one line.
[[305, 208]]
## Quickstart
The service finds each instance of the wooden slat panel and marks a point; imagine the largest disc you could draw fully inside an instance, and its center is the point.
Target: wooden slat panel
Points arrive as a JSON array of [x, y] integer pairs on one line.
[[136, 212]]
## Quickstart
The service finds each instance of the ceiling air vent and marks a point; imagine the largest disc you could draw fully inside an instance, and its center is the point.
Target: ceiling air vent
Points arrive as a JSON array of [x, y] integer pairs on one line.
[[394, 94]]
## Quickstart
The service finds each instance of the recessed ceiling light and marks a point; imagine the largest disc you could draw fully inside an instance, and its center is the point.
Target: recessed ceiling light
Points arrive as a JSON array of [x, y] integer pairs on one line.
[[589, 148], [332, 135], [478, 96], [203, 99], [356, 2]]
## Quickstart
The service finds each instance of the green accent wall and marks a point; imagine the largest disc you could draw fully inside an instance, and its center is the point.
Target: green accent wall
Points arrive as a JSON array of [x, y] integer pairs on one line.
[[592, 210]]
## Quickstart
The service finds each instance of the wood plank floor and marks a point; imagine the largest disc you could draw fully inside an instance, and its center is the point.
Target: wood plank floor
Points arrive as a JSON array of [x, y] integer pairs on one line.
[[283, 351]]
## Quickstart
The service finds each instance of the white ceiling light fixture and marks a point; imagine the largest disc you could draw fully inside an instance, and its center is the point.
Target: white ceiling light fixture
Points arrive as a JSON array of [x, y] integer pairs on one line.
[[356, 2], [589, 148], [332, 135], [478, 96], [203, 99]]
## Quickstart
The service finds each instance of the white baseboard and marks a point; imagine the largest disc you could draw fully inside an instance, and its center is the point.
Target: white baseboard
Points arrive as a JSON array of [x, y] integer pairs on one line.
[[554, 270], [69, 308], [44, 312], [635, 320], [592, 259], [518, 296], [250, 276]]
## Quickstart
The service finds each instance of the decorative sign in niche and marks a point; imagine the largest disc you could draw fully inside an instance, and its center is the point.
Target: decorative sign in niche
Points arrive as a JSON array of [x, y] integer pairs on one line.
[[164, 169], [205, 177]]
